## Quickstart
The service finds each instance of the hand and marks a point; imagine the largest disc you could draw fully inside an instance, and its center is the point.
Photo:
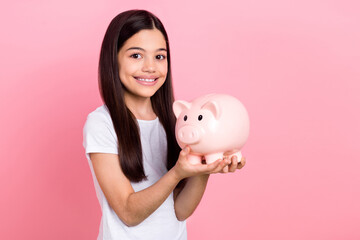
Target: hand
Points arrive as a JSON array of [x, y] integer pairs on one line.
[[183, 168], [233, 165]]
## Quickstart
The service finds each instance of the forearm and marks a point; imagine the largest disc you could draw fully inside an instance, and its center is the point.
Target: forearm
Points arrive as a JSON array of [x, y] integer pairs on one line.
[[142, 204], [190, 196]]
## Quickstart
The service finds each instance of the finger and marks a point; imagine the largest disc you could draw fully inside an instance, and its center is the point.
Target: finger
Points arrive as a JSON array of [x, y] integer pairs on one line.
[[221, 166], [227, 160], [185, 151], [213, 167], [208, 168], [225, 169], [241, 164], [234, 164]]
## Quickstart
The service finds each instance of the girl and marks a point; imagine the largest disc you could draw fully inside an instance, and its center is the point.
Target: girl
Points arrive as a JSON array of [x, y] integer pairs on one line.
[[144, 184]]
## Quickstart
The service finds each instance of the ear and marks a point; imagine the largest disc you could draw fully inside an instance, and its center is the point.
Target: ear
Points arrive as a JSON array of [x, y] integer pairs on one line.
[[213, 107], [179, 106]]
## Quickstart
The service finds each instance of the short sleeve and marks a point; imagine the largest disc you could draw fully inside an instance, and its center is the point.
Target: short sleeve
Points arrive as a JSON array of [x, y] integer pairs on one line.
[[99, 134]]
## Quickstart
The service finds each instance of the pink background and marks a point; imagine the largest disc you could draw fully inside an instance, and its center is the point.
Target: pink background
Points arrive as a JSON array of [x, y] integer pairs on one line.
[[294, 65]]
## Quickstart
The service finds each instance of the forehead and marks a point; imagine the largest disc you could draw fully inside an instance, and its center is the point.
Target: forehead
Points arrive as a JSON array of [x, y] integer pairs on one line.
[[148, 39]]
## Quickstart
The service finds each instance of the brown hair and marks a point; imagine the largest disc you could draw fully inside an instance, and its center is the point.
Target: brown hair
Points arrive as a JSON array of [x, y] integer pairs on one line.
[[121, 28]]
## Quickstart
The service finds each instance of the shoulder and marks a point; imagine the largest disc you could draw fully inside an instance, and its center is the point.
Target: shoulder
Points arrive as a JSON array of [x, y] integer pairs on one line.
[[98, 132], [101, 114], [99, 122], [100, 117]]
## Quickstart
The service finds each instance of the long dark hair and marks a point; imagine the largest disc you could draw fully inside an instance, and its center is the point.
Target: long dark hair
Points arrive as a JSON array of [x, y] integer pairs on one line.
[[121, 28]]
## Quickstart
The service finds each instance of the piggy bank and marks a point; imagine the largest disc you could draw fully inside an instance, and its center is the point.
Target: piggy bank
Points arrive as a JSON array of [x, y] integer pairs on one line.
[[212, 125]]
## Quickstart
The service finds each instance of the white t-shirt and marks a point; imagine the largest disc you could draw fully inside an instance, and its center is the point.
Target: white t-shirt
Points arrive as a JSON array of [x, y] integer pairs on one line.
[[99, 136]]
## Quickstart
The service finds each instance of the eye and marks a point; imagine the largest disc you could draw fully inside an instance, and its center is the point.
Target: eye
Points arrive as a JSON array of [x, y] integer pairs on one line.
[[185, 118], [200, 117], [160, 57], [135, 55]]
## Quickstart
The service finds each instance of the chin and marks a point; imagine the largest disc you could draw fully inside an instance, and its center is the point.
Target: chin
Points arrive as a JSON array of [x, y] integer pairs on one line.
[[147, 94]]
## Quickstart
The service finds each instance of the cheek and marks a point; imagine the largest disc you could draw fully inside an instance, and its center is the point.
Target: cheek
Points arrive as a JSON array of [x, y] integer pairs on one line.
[[163, 68], [127, 67]]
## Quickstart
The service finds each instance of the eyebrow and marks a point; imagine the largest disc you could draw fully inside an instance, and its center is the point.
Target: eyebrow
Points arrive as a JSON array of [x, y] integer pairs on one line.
[[139, 48]]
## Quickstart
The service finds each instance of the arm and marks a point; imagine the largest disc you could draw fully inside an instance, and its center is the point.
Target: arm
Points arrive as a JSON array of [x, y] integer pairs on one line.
[[187, 199], [130, 206], [134, 207]]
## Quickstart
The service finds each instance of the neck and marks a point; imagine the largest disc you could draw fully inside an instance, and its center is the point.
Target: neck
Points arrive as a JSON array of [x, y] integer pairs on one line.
[[140, 106]]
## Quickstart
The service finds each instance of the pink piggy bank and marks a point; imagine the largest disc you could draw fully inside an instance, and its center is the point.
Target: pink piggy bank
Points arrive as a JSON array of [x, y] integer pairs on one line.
[[213, 125]]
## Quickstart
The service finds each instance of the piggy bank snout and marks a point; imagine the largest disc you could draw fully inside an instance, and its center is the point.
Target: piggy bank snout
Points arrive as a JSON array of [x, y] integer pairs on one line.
[[188, 135]]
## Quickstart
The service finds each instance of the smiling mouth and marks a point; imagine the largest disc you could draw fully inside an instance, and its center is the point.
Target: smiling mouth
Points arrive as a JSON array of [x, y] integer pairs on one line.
[[146, 79]]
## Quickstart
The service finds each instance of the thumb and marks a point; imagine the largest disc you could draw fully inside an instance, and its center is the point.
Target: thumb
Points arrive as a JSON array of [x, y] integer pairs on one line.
[[185, 151]]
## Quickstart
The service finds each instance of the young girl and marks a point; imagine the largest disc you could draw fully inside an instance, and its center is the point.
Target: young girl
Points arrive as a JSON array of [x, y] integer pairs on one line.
[[144, 184]]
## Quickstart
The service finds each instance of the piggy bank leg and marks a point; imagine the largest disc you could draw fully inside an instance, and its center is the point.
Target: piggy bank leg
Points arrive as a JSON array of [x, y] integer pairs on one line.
[[210, 158], [194, 159], [238, 155]]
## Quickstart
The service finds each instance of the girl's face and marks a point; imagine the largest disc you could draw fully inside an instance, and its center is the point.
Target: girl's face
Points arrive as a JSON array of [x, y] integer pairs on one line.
[[143, 64]]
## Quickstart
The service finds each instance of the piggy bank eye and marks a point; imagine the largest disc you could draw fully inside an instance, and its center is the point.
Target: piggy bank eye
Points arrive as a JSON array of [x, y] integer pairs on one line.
[[200, 117], [185, 118]]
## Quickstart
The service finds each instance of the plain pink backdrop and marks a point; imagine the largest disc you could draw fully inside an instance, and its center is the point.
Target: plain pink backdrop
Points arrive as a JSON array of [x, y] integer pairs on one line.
[[294, 65]]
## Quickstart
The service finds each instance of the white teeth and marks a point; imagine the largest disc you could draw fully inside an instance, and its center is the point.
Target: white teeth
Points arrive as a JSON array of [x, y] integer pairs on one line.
[[146, 80]]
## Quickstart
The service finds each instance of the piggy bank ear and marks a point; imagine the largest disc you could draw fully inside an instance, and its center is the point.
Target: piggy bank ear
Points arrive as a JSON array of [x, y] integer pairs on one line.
[[213, 107], [180, 106]]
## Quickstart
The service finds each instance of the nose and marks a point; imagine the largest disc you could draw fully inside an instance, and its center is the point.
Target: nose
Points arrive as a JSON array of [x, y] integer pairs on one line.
[[149, 65], [188, 135]]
